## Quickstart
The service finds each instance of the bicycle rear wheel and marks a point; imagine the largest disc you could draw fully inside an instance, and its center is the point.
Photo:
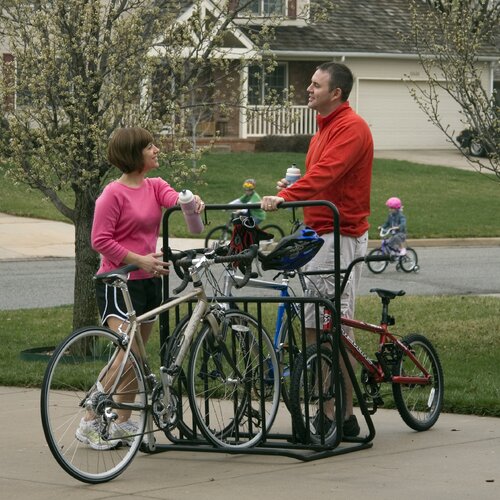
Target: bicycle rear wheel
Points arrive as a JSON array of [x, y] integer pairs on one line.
[[419, 404], [275, 230], [218, 236], [312, 426], [377, 266], [409, 261], [74, 393], [234, 382]]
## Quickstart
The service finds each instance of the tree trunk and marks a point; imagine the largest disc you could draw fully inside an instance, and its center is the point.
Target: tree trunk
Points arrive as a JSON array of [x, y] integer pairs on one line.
[[86, 263]]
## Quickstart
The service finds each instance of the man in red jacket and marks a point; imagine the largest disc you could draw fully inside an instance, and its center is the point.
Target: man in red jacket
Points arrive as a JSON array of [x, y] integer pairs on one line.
[[338, 169]]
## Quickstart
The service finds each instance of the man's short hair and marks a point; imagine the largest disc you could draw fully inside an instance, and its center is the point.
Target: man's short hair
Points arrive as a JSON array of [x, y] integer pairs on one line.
[[340, 77]]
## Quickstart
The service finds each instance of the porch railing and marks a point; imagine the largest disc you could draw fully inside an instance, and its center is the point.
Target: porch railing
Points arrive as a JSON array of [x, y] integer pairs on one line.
[[259, 121]]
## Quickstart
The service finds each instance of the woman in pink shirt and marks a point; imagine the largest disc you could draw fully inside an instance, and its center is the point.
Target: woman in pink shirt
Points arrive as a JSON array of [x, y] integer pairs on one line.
[[125, 230]]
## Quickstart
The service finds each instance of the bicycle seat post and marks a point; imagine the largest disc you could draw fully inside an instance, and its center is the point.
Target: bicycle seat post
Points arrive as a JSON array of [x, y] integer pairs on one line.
[[386, 318]]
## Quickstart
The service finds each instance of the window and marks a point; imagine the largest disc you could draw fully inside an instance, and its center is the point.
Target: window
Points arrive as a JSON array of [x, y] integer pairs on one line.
[[264, 86], [267, 7]]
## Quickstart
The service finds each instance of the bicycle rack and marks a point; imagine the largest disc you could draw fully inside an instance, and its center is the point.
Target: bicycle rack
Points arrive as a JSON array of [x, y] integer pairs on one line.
[[284, 443]]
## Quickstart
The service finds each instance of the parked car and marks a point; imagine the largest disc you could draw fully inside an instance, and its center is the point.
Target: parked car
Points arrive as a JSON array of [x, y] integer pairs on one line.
[[468, 140]]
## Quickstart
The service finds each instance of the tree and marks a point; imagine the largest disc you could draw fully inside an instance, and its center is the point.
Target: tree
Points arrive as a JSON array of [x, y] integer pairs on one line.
[[82, 68], [450, 37]]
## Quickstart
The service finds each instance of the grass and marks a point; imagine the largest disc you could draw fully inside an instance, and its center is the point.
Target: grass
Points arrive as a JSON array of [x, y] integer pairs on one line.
[[464, 330], [440, 202]]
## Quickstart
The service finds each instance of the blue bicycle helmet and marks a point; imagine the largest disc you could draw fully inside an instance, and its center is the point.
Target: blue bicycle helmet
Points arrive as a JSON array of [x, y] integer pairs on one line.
[[293, 251]]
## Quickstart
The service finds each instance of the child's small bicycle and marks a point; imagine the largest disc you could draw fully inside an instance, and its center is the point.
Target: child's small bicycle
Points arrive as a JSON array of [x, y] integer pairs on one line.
[[406, 259], [221, 235]]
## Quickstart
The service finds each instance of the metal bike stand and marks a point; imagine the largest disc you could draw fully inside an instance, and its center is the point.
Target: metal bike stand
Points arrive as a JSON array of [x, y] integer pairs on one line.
[[282, 444]]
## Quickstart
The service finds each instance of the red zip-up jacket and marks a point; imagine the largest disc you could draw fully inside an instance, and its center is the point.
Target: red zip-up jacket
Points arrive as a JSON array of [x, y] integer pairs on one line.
[[338, 169]]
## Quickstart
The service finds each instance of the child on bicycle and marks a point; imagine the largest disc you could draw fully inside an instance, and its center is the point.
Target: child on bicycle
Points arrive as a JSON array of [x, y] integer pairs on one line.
[[396, 224], [251, 196]]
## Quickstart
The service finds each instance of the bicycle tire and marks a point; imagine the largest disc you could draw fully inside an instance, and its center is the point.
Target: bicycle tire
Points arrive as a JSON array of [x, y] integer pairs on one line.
[[224, 371], [377, 266], [70, 391], [419, 405], [409, 261], [304, 396], [288, 348], [185, 426], [275, 230], [219, 235]]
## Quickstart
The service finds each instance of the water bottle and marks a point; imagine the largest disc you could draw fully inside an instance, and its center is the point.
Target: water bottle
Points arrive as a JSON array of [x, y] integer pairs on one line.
[[188, 206], [292, 174]]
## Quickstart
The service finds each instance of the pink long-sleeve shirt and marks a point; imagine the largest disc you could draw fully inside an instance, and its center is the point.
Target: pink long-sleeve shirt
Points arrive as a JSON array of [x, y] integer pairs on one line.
[[128, 219]]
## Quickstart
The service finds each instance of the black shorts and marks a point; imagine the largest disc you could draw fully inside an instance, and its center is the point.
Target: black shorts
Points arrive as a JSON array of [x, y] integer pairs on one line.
[[145, 294]]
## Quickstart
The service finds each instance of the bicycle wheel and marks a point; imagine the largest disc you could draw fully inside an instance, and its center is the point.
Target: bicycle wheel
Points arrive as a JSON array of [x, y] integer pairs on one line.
[[419, 404], [377, 266], [289, 347], [234, 382], [218, 236], [74, 388], [275, 230], [310, 425], [184, 420], [409, 261]]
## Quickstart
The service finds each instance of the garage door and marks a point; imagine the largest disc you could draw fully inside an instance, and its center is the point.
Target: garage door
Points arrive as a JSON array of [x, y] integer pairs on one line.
[[396, 120]]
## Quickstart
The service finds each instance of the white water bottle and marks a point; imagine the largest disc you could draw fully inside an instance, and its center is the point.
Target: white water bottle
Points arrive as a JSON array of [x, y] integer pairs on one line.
[[292, 174], [188, 206]]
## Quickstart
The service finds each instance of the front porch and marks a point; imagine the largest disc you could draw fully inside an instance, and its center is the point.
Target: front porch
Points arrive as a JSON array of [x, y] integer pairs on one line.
[[241, 132]]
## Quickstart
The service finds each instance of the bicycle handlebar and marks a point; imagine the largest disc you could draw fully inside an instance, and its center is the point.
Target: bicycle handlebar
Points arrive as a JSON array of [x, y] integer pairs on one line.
[[187, 259], [385, 232], [346, 272]]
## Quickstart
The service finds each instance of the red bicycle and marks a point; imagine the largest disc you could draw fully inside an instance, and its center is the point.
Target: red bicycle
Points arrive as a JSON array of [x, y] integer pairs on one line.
[[411, 364]]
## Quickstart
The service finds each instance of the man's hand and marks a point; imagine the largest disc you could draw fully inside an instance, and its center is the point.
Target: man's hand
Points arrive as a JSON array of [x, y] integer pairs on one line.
[[270, 203]]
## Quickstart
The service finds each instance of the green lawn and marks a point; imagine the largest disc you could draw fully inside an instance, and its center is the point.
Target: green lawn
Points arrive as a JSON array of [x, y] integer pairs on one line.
[[464, 330], [438, 201]]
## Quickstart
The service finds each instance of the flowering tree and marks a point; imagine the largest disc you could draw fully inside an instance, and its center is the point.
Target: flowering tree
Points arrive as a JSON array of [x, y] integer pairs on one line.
[[451, 36], [82, 68]]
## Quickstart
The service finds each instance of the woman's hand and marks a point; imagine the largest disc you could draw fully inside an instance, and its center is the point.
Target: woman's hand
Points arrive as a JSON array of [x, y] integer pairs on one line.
[[200, 205], [153, 264]]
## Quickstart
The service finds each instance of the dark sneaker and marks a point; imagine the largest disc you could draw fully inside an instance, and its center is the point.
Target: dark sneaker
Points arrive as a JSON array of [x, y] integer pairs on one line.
[[315, 424], [351, 429]]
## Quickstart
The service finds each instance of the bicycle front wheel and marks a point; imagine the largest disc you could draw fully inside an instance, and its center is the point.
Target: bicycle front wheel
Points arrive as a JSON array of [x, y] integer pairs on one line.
[[78, 409], [376, 266], [409, 261], [313, 379], [218, 236], [234, 382], [289, 347], [419, 404]]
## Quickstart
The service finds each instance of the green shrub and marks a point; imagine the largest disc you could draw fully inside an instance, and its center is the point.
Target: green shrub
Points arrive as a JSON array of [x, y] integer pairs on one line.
[[279, 143]]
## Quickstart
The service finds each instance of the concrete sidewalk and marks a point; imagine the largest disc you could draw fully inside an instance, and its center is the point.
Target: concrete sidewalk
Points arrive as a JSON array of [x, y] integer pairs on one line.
[[23, 238], [458, 458]]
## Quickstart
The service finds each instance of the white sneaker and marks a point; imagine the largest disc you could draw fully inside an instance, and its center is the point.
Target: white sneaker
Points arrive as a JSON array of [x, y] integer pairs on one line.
[[124, 432], [402, 251], [88, 433]]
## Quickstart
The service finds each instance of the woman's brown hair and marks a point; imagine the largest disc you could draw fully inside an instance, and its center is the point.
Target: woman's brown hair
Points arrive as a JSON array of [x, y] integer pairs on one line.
[[125, 148]]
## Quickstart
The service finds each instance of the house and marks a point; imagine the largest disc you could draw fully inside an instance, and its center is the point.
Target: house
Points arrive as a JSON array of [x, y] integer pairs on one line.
[[365, 35]]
